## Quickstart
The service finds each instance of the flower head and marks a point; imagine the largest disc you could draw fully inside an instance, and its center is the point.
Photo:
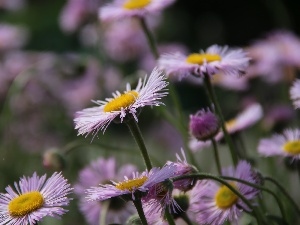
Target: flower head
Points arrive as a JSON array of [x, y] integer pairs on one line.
[[34, 199], [147, 93], [121, 9], [295, 93], [139, 182], [102, 171], [245, 119], [214, 204], [204, 125], [183, 168], [286, 144], [214, 60]]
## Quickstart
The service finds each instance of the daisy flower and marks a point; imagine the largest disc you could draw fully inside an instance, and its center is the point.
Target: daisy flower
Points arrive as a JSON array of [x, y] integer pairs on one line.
[[215, 59], [183, 168], [139, 182], [34, 198], [213, 204], [155, 215], [295, 93], [147, 93], [121, 9], [286, 144], [248, 117], [101, 171]]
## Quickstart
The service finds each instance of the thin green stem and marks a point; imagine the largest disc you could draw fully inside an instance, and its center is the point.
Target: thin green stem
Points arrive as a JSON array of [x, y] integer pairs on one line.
[[169, 218], [150, 38], [214, 100], [281, 208], [284, 192], [138, 205], [186, 219], [103, 213], [216, 155], [260, 219], [136, 133]]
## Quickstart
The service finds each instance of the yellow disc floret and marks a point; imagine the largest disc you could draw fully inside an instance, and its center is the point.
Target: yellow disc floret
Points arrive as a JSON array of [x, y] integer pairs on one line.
[[121, 101], [230, 124], [136, 4], [132, 184], [197, 58], [225, 198], [25, 204], [292, 147]]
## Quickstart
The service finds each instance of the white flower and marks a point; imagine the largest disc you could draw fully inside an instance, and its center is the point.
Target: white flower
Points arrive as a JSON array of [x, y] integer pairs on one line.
[[147, 93], [121, 9], [295, 93], [286, 144], [214, 60]]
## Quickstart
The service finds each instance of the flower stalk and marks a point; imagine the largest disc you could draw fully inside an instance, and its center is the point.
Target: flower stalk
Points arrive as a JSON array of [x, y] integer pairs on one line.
[[215, 102], [136, 133]]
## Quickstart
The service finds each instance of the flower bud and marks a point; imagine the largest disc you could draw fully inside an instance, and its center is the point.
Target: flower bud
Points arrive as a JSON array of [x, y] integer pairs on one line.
[[204, 125], [52, 159]]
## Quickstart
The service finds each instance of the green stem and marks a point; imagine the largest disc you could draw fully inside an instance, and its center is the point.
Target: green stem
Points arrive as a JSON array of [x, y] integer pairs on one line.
[[201, 176], [150, 38], [169, 218], [284, 192], [136, 133], [138, 205], [186, 219], [281, 208], [214, 100], [103, 213], [216, 155]]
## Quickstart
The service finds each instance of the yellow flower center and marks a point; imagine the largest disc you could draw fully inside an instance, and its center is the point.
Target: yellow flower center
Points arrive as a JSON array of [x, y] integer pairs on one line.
[[122, 101], [225, 198], [136, 4], [292, 147], [132, 184], [230, 124], [197, 58], [25, 204]]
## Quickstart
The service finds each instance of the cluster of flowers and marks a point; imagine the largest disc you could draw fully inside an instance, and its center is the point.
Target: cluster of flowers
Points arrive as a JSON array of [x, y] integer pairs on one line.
[[177, 189]]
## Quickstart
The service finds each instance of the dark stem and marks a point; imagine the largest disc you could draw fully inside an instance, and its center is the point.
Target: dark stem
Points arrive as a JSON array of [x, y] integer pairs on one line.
[[186, 219], [214, 100], [284, 192], [138, 205], [150, 38], [216, 155], [257, 214], [281, 208], [136, 133], [169, 218]]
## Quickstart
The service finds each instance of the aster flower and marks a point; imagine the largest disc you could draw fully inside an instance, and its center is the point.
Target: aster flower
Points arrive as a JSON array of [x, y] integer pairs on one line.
[[275, 56], [121, 9], [34, 199], [286, 144], [214, 60], [183, 168], [245, 119], [214, 204], [295, 93], [101, 171], [155, 213], [204, 125], [125, 40], [139, 182], [148, 92]]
